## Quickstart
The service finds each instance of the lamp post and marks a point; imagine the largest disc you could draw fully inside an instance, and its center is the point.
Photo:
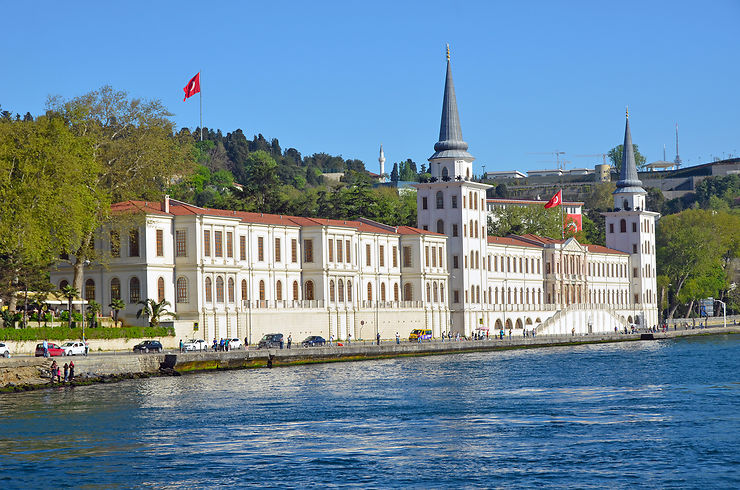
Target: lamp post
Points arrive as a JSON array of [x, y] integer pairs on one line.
[[724, 311], [82, 306]]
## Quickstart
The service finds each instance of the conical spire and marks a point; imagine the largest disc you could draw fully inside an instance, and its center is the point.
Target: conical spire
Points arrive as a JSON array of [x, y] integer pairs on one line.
[[628, 179], [450, 142]]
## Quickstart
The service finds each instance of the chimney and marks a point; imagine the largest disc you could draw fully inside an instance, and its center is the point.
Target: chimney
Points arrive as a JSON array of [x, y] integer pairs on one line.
[[166, 203]]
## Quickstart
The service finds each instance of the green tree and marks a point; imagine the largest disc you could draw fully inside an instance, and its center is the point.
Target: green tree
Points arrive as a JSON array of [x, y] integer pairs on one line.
[[261, 183], [615, 157], [520, 220], [70, 292], [93, 308], [116, 305], [601, 198], [154, 311]]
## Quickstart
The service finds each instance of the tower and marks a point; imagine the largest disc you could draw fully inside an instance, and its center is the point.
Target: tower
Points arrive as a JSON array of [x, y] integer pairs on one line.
[[381, 160], [630, 228], [677, 161], [453, 205]]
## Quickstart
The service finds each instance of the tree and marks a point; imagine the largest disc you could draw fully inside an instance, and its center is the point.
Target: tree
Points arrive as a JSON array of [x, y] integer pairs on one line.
[[520, 220], [70, 292], [601, 198], [154, 311], [116, 306], [261, 183], [615, 157], [93, 308]]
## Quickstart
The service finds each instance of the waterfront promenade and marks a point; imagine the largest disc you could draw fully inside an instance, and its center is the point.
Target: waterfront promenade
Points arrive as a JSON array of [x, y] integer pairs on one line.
[[20, 372]]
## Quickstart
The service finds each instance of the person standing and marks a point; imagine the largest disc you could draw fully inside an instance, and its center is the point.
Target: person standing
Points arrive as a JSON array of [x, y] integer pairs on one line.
[[398, 338], [290, 340], [349, 338], [46, 348], [53, 370], [378, 337], [71, 370], [66, 372], [331, 340], [180, 345]]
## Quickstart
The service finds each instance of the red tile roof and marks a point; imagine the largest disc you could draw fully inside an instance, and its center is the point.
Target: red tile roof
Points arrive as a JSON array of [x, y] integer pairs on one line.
[[510, 240], [603, 250]]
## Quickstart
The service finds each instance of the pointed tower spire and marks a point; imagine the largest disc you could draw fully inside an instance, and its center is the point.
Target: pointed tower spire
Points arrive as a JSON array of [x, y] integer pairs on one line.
[[450, 142], [628, 182], [381, 160]]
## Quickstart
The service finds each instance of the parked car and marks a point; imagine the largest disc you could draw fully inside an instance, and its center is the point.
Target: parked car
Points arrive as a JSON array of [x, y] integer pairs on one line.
[[74, 348], [417, 334], [4, 350], [271, 340], [235, 344], [54, 350], [313, 341], [149, 346], [195, 344]]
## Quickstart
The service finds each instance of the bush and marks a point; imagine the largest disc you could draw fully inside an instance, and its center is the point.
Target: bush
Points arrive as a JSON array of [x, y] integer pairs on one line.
[[66, 333]]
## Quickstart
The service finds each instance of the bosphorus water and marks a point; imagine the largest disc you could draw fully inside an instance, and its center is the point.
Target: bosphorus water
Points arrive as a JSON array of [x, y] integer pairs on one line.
[[649, 414]]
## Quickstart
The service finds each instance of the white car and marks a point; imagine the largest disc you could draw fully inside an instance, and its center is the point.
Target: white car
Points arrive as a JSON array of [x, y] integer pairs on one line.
[[235, 344], [4, 350], [73, 348], [193, 345]]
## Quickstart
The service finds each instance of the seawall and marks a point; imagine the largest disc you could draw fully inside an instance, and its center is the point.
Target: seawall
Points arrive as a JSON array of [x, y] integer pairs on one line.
[[25, 372]]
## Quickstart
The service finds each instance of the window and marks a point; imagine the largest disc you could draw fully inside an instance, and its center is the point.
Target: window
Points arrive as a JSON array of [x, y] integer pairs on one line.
[[279, 291], [245, 291], [160, 243], [160, 289], [440, 256], [331, 250], [295, 290], [230, 289], [219, 289], [445, 173], [429, 293], [622, 226], [367, 254], [435, 296], [395, 292], [209, 290], [181, 290], [308, 290], [339, 251], [229, 244], [440, 200], [407, 292], [308, 251], [454, 229], [340, 290], [260, 248], [89, 290], [611, 227], [331, 291], [115, 244], [434, 258], [278, 253], [407, 256], [634, 248], [634, 227], [466, 261], [382, 291], [369, 291], [381, 257], [347, 249], [465, 229], [455, 262], [262, 290], [134, 290], [115, 288], [426, 256], [349, 291], [294, 251], [242, 247], [395, 258], [218, 243], [207, 243], [423, 202], [463, 201], [476, 227], [181, 237], [456, 296], [635, 272], [454, 202], [133, 243]]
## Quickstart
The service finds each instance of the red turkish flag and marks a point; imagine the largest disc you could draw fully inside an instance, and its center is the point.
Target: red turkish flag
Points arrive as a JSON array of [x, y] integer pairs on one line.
[[556, 200], [193, 87]]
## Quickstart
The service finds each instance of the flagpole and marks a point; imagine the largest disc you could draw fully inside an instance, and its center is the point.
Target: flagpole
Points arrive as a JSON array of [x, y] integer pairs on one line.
[[562, 219], [201, 111]]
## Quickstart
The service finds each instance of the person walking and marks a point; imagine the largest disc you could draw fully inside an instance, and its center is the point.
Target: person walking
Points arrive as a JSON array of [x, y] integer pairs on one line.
[[349, 338], [46, 348], [573, 332], [290, 340], [378, 338], [53, 370], [71, 370], [66, 372], [398, 338], [180, 345]]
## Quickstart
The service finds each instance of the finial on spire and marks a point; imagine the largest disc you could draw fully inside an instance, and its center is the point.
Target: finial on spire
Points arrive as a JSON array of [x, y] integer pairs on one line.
[[627, 111], [448, 51]]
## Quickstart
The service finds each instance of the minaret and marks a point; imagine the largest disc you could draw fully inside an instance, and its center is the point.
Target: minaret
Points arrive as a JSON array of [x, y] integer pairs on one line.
[[677, 161], [630, 228], [381, 160]]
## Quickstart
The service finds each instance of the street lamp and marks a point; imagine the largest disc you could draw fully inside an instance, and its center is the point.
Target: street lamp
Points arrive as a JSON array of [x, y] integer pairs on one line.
[[82, 307]]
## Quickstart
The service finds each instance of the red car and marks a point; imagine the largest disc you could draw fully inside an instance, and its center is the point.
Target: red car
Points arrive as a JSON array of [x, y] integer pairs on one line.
[[54, 350]]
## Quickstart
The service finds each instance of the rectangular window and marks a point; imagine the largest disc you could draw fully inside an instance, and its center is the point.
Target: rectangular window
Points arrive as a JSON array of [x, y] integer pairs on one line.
[[426, 256], [160, 243], [434, 257], [347, 249], [218, 243], [454, 202], [455, 262], [634, 227], [260, 248], [242, 247], [207, 243], [423, 203], [339, 251], [229, 244], [294, 250], [331, 250], [456, 296], [454, 229], [115, 244], [367, 254], [308, 250], [440, 256], [635, 272], [637, 298], [407, 256], [181, 237], [395, 258], [463, 201], [634, 248], [611, 227], [466, 261], [425, 228], [133, 243], [381, 258], [278, 252]]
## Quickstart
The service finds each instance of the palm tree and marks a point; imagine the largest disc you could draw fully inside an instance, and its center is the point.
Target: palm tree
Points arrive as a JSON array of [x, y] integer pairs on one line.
[[70, 293], [116, 305], [93, 308], [154, 311]]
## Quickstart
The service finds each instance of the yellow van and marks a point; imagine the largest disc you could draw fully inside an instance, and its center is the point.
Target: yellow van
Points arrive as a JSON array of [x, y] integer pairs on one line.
[[417, 334]]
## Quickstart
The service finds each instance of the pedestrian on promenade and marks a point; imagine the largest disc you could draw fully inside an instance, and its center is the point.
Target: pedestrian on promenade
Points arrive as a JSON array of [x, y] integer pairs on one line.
[[378, 338], [290, 340], [331, 340], [46, 348], [66, 372], [180, 345], [246, 342], [398, 339], [349, 338], [87, 346], [501, 334], [573, 332], [53, 370], [443, 336], [214, 344], [71, 370], [509, 333]]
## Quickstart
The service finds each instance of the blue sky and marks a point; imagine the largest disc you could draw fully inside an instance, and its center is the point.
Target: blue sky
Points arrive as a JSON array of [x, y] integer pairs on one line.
[[343, 77]]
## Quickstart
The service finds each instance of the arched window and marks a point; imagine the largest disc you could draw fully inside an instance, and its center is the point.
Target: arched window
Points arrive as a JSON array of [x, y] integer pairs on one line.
[[160, 289], [407, 292], [382, 291], [622, 225], [295, 290], [115, 288], [349, 291], [508, 295], [90, 290], [331, 290], [445, 173], [308, 291], [369, 291], [429, 293], [230, 289], [440, 226], [477, 294], [134, 290], [442, 293], [245, 295], [476, 227], [181, 290], [440, 200], [262, 290], [209, 290], [219, 289], [341, 290], [279, 290], [434, 293], [395, 292], [63, 284], [527, 297]]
